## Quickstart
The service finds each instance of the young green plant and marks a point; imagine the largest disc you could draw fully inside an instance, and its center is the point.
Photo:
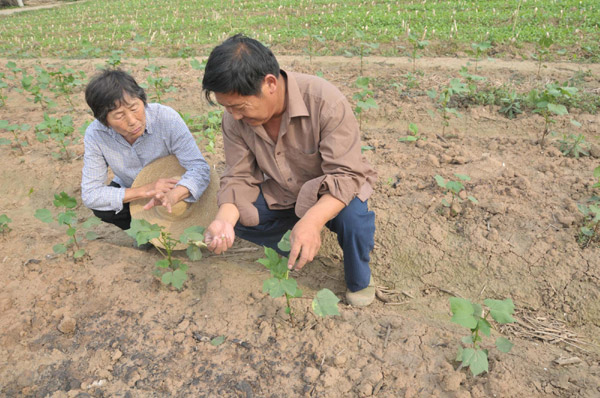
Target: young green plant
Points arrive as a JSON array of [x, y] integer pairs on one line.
[[479, 49], [455, 188], [413, 134], [574, 145], [443, 99], [281, 284], [4, 221], [475, 318], [542, 50], [16, 142], [364, 98], [66, 216], [549, 102], [205, 127], [160, 85], [65, 81], [61, 132], [417, 45], [310, 44], [170, 270], [363, 49]]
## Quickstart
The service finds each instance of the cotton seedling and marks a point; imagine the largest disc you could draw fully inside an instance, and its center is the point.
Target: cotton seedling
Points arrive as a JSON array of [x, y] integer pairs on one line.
[[364, 98], [479, 49], [413, 134], [16, 141], [362, 50], [475, 318], [511, 105], [417, 45], [67, 217], [542, 50], [160, 85], [29, 84], [4, 221], [281, 284], [171, 271], [574, 145], [455, 188], [115, 58], [61, 132], [65, 81], [205, 127], [443, 99], [3, 85], [311, 42], [549, 102]]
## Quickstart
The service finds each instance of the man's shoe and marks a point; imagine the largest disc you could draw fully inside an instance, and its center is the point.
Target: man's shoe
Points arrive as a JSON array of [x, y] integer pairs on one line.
[[363, 297]]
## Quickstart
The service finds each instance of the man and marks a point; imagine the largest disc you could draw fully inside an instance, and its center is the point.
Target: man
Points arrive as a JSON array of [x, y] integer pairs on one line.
[[127, 135], [292, 149]]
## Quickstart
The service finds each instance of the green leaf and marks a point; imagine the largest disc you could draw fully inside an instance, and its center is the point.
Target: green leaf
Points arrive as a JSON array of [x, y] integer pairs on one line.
[[64, 200], [501, 310], [289, 286], [503, 344], [178, 278], [597, 172], [5, 141], [463, 312], [459, 354], [44, 215], [445, 203], [192, 234], [472, 199], [164, 263], [142, 231], [4, 219], [454, 186], [484, 326], [476, 360], [79, 253], [273, 287], [557, 109], [91, 235], [66, 218], [440, 180], [408, 138], [467, 339], [91, 222], [325, 303], [194, 253], [284, 244], [59, 249], [217, 341], [71, 231], [463, 177]]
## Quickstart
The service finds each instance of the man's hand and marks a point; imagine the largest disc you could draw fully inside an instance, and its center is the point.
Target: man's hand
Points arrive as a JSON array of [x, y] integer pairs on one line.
[[219, 236], [305, 241]]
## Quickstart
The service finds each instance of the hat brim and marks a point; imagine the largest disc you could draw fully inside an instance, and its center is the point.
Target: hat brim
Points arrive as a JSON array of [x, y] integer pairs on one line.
[[183, 214]]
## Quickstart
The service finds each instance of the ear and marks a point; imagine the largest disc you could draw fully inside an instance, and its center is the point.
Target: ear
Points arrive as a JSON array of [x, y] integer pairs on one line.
[[271, 83]]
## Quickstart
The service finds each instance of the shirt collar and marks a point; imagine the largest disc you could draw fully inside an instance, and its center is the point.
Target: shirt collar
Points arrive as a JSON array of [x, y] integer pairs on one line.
[[295, 102]]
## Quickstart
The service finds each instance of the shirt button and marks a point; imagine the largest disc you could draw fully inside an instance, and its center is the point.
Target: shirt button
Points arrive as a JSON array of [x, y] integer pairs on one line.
[[278, 153]]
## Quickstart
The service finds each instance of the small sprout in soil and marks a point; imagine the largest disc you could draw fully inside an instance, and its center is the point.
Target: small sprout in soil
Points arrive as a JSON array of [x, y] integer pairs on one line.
[[473, 317], [511, 105], [171, 271], [455, 188], [205, 127], [574, 146], [590, 231], [480, 49], [443, 99], [364, 98], [413, 134], [16, 142], [311, 41], [550, 102], [67, 217], [416, 46], [3, 85], [363, 49], [4, 221], [65, 81], [280, 283], [43, 81], [160, 85], [542, 50], [61, 132], [115, 59]]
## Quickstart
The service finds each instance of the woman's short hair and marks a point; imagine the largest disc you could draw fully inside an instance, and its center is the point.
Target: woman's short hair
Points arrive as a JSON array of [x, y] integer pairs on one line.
[[238, 65], [105, 92]]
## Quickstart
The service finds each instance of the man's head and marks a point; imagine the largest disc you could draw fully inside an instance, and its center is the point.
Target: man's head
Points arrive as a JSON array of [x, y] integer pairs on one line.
[[109, 90], [238, 66], [244, 76]]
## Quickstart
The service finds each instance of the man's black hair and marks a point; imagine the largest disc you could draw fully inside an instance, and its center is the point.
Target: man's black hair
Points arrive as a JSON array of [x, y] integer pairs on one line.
[[105, 92], [238, 65]]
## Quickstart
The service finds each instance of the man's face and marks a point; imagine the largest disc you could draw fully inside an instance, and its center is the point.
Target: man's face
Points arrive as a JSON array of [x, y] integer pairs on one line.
[[254, 110], [129, 119]]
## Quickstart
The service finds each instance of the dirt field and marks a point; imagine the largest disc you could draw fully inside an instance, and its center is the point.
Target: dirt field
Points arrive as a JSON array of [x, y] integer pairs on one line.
[[105, 327]]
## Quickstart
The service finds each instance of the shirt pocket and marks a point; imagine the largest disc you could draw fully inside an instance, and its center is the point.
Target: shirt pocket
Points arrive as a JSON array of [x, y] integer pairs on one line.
[[304, 166]]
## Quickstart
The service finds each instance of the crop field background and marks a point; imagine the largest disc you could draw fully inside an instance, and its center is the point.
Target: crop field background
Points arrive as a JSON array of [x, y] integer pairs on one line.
[[481, 119]]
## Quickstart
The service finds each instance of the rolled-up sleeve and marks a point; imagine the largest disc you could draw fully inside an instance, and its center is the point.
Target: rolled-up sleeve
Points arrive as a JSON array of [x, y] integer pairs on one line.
[[197, 175], [240, 183], [94, 193]]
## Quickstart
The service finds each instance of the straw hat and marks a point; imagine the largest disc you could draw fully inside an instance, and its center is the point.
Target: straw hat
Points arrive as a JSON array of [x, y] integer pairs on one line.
[[183, 214]]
